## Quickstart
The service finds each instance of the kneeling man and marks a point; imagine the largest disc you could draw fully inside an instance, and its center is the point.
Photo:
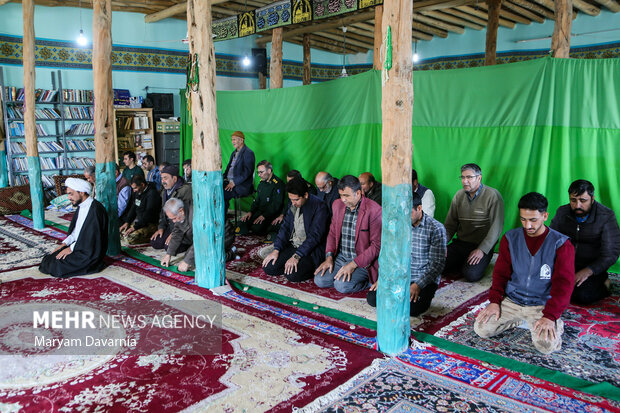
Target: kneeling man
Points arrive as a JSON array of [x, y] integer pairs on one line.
[[355, 238], [83, 250], [300, 245], [428, 257], [533, 279]]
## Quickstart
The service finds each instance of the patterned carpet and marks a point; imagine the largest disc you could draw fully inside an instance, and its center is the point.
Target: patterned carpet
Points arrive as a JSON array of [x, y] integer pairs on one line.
[[590, 348], [266, 363], [429, 380], [22, 247]]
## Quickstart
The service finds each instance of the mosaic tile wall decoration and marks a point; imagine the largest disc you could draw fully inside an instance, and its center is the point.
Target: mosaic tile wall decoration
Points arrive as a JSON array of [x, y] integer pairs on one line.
[[60, 54]]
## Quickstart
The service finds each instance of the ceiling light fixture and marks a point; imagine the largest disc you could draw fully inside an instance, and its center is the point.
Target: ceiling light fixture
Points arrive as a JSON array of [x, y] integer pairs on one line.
[[81, 39], [344, 51], [415, 52]]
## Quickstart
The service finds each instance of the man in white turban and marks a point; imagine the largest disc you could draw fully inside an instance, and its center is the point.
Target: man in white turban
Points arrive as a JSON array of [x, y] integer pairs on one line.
[[83, 251]]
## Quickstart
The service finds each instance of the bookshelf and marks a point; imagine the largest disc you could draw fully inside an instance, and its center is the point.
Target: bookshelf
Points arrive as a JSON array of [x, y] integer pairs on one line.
[[133, 131], [65, 132]]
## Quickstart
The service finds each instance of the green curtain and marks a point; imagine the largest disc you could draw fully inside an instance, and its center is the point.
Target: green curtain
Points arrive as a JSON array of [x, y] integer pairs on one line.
[[531, 126]]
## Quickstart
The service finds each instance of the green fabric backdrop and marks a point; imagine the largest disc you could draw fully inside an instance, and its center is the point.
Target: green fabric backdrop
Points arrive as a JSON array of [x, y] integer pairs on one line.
[[531, 126]]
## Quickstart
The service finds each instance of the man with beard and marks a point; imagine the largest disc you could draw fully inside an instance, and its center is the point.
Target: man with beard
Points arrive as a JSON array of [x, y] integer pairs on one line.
[[532, 279], [174, 187], [143, 216], [83, 251], [593, 230]]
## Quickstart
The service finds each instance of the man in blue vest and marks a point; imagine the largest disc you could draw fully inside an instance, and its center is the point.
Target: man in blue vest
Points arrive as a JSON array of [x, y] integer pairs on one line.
[[533, 279]]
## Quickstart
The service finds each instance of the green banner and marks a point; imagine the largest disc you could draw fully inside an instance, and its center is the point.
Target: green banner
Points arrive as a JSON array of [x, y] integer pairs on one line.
[[531, 126]]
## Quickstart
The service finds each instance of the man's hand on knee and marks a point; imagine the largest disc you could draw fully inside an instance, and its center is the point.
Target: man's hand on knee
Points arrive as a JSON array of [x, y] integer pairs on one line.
[[545, 329], [327, 265], [489, 311], [475, 256], [345, 272]]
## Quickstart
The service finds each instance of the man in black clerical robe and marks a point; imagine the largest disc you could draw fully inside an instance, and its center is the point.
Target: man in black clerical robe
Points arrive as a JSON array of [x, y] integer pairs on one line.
[[84, 249]]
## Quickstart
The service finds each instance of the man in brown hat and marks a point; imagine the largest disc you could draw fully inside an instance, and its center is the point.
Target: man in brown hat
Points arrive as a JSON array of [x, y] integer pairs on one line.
[[239, 173]]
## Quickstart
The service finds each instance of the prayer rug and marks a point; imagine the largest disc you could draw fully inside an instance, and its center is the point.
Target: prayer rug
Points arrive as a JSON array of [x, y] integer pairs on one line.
[[22, 247], [267, 362], [426, 379], [590, 343], [15, 199]]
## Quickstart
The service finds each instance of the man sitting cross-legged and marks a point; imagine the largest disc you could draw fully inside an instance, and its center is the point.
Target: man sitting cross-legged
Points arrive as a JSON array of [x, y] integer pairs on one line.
[[533, 279], [428, 256], [355, 238], [300, 244]]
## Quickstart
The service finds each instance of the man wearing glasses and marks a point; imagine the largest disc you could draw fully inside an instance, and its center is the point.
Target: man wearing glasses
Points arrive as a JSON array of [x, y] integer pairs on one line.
[[476, 216], [267, 204]]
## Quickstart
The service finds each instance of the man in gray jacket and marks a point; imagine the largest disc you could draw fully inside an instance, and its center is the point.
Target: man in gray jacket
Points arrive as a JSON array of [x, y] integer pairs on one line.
[[476, 216]]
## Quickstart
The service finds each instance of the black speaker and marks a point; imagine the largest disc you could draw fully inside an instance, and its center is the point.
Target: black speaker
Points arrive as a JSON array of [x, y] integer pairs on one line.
[[259, 58], [162, 104]]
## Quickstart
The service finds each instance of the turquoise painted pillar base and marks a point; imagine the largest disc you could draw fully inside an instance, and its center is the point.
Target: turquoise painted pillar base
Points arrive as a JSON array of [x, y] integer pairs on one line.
[[105, 182], [393, 327], [4, 170], [209, 221], [36, 191]]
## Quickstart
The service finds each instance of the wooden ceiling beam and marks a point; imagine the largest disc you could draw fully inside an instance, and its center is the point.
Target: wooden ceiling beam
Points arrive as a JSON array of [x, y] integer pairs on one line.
[[345, 21], [586, 7], [466, 16], [360, 32], [224, 11], [338, 37], [416, 35], [430, 30], [178, 8], [4, 2], [507, 15], [485, 16], [441, 15], [612, 5], [535, 8], [366, 26], [316, 38], [429, 5], [524, 12], [355, 36], [438, 23]]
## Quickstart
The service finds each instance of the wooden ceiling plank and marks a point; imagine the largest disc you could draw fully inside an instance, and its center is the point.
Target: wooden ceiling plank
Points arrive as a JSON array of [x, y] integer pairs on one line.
[[484, 15], [351, 49], [438, 23], [524, 12], [466, 16], [172, 11], [506, 14], [428, 5], [430, 30], [356, 18], [440, 15], [421, 36], [612, 5], [586, 7], [224, 11], [361, 32], [528, 5], [338, 37]]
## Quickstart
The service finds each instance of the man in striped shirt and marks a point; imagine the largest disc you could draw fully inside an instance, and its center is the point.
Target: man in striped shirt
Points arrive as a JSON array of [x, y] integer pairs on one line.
[[428, 256]]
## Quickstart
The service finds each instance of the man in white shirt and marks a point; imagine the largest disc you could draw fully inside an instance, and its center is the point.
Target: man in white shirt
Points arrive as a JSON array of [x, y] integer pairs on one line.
[[83, 251]]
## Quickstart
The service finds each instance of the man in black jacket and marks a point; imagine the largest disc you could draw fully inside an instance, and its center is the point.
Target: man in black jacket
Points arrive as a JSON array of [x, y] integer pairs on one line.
[[593, 230], [300, 245], [143, 216]]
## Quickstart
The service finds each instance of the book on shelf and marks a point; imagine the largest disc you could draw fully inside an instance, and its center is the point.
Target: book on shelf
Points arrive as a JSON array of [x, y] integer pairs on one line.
[[46, 180], [40, 95], [80, 163], [79, 112], [147, 141], [80, 145], [49, 147], [17, 129], [17, 148], [81, 129], [77, 96]]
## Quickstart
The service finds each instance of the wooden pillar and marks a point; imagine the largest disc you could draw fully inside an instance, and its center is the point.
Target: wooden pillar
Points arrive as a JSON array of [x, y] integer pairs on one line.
[[275, 67], [393, 329], [492, 26], [376, 54], [262, 81], [207, 180], [30, 124], [105, 175], [307, 77], [560, 41]]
